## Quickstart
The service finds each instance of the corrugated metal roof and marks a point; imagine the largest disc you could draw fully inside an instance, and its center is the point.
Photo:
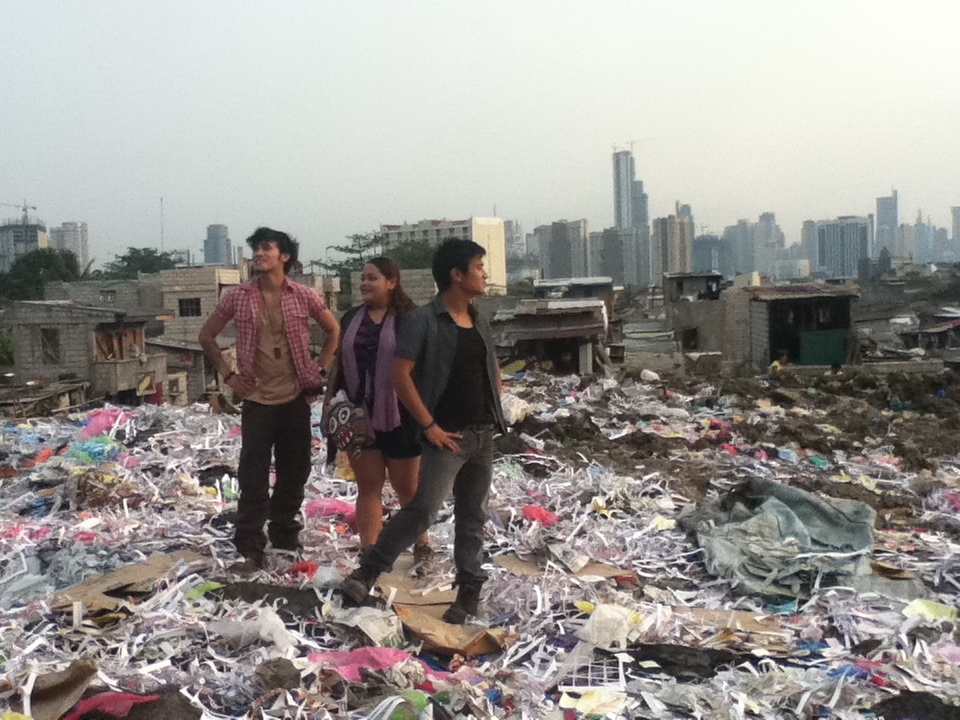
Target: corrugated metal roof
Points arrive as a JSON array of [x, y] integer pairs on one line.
[[798, 292], [587, 280], [935, 329]]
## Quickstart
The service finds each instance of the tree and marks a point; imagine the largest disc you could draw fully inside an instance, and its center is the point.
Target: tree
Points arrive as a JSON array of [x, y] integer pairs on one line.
[[413, 254], [30, 272], [362, 247], [138, 260]]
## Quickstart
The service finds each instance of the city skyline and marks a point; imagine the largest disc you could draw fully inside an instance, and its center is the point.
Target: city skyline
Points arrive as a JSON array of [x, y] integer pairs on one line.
[[326, 120]]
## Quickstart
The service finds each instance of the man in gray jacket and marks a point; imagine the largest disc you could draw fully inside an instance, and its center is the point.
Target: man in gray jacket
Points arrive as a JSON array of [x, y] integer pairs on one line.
[[446, 374]]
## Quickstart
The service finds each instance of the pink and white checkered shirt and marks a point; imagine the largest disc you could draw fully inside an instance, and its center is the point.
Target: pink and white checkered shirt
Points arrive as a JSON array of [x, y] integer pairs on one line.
[[299, 302]]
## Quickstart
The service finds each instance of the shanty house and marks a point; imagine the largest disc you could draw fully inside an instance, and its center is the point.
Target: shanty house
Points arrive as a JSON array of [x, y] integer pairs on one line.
[[748, 325], [934, 339], [692, 310], [59, 340], [141, 297], [191, 374], [566, 332], [812, 322]]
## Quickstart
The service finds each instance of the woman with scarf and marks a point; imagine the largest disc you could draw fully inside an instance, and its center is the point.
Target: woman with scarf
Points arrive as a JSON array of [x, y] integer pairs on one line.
[[364, 371]]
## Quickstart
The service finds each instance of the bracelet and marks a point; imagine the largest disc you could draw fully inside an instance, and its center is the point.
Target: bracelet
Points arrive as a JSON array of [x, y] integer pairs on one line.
[[226, 378], [430, 426]]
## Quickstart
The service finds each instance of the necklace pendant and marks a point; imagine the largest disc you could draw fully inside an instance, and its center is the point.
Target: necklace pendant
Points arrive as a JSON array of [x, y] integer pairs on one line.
[[276, 353]]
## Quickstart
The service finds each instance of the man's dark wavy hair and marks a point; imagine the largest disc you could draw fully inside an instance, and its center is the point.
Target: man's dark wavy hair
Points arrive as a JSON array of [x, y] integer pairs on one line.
[[286, 244], [453, 253]]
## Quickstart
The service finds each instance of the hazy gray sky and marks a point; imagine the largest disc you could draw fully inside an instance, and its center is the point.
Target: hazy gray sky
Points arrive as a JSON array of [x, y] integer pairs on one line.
[[328, 118]]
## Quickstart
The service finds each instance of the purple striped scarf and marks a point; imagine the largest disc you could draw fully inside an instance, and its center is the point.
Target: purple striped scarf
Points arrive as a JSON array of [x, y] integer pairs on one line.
[[386, 410]]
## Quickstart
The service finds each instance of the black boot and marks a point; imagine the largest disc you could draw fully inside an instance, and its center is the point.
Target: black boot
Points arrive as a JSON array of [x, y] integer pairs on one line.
[[468, 598], [357, 585]]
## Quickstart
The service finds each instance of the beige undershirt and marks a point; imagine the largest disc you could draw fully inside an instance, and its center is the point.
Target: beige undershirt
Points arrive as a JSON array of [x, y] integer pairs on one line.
[[278, 381]]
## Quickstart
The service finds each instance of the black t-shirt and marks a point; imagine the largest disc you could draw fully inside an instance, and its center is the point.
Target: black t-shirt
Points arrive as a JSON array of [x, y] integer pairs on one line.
[[467, 398]]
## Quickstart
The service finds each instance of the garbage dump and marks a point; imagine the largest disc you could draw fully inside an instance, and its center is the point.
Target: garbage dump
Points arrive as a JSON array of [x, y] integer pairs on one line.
[[658, 548]]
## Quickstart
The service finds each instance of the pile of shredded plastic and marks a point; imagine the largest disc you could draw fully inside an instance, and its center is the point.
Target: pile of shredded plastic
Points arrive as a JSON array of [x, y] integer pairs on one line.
[[599, 602]]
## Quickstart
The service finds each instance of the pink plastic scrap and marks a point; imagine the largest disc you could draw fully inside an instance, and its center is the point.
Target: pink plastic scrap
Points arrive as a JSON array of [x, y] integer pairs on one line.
[[327, 507], [102, 421], [109, 703], [349, 663]]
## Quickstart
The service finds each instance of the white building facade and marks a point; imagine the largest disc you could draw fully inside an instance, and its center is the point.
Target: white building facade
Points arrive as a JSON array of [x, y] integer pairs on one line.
[[485, 231], [72, 236]]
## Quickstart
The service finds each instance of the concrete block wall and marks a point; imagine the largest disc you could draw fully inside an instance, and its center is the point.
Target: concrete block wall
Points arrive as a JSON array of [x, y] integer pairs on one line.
[[417, 283], [125, 293], [130, 295], [151, 291], [327, 287], [736, 324], [76, 345], [201, 275], [759, 335], [708, 317], [188, 328], [106, 378], [206, 283]]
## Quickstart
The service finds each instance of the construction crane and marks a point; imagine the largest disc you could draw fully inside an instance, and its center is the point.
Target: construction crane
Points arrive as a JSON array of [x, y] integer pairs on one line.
[[24, 206]]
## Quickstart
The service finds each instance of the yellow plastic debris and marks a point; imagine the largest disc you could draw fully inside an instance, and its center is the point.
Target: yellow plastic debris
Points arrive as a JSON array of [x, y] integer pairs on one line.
[[599, 506], [597, 703], [931, 609], [660, 523], [515, 367]]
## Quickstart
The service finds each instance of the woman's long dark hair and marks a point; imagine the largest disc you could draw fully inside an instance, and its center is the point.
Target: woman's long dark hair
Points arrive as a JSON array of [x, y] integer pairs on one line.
[[400, 303]]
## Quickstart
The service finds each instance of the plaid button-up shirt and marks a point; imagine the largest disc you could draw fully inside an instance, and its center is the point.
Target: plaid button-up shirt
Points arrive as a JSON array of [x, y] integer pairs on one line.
[[299, 302]]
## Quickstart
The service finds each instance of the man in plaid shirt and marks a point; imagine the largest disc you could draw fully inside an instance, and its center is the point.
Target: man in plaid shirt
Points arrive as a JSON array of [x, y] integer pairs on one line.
[[275, 375]]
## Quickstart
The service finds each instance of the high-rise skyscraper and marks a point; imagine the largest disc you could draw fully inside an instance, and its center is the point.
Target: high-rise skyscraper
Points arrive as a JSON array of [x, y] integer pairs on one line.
[[808, 242], [632, 221], [955, 237], [740, 239], [888, 220], [624, 176], [19, 236], [564, 249], [72, 236], [712, 253], [639, 206], [671, 244], [217, 249], [906, 242], [769, 242], [757, 246], [538, 242], [925, 233], [513, 238], [841, 245]]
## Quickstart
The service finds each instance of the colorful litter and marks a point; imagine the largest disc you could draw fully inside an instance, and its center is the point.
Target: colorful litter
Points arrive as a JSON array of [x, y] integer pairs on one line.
[[657, 549]]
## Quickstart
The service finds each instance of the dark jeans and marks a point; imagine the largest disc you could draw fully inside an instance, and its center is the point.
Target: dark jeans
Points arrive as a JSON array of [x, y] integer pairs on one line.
[[468, 473], [284, 432]]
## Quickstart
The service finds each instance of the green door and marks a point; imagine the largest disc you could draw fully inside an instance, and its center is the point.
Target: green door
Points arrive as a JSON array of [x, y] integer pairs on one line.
[[823, 347]]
